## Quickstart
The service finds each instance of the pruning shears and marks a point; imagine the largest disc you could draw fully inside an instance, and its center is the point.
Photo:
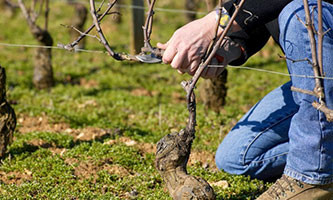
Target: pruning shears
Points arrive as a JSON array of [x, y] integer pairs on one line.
[[150, 56]]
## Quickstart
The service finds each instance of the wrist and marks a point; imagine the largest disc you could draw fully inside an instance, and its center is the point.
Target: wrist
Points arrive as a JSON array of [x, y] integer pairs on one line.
[[211, 21], [223, 20]]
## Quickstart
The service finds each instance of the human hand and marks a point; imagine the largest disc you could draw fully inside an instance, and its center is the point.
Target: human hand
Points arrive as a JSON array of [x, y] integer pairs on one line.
[[188, 44]]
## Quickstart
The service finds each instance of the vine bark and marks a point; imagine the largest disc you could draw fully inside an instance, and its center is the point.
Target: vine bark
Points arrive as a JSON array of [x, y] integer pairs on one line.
[[7, 116], [43, 72]]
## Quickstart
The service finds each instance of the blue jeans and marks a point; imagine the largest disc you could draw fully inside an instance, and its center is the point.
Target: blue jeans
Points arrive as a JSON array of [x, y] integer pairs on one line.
[[284, 133]]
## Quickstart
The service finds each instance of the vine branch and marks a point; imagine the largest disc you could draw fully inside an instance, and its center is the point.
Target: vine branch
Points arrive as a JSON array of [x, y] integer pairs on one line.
[[71, 46], [317, 58], [100, 32], [97, 18], [190, 85]]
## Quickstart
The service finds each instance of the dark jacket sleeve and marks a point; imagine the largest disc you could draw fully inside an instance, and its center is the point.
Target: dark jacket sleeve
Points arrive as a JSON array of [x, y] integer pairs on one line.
[[255, 13], [251, 42], [255, 40], [258, 20]]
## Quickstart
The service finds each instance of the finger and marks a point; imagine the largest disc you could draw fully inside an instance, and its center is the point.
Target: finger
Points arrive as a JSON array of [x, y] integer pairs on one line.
[[186, 63], [181, 72], [178, 61], [190, 59], [194, 66], [169, 53], [191, 73], [162, 46]]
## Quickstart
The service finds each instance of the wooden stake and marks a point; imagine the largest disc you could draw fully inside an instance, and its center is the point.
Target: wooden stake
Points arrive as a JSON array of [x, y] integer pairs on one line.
[[136, 27]]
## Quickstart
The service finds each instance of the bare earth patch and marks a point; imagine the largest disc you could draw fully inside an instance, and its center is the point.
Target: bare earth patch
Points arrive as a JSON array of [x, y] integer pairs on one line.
[[28, 124], [88, 83], [88, 168], [178, 97], [43, 144], [15, 177], [143, 92], [205, 159], [40, 143]]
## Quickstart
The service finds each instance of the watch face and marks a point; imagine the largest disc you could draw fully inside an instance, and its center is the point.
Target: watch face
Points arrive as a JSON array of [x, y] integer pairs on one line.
[[225, 18]]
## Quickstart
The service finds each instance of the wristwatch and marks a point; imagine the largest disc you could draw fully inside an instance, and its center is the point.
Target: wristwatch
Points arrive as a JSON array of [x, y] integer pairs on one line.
[[224, 19]]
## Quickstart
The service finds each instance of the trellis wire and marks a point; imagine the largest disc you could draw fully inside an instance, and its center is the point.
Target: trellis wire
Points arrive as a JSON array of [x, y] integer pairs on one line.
[[49, 47], [170, 10], [273, 72], [163, 9], [232, 67]]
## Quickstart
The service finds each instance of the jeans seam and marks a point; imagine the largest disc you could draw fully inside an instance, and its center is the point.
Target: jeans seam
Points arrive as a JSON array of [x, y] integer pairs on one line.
[[321, 139], [257, 136], [263, 160]]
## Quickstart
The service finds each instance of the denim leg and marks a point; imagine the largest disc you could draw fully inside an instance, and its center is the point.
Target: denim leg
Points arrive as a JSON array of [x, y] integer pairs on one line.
[[258, 144], [310, 157]]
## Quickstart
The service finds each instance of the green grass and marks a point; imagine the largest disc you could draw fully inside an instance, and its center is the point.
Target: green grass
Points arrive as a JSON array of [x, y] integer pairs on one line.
[[49, 175]]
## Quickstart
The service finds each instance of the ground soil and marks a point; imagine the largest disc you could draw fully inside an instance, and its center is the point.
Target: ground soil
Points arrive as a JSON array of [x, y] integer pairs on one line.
[[15, 177], [89, 168], [86, 169]]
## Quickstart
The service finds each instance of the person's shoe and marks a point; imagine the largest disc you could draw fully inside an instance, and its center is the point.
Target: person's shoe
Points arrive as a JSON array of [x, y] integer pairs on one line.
[[287, 188]]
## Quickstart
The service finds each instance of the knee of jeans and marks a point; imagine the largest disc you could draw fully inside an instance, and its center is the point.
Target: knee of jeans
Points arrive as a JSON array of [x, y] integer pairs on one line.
[[231, 162], [229, 159]]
